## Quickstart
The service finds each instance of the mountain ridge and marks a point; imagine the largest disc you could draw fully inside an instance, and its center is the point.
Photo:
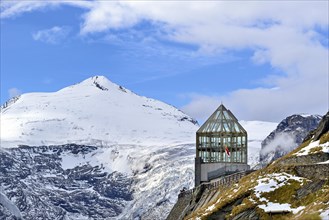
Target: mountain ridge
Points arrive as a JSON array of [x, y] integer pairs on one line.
[[288, 134]]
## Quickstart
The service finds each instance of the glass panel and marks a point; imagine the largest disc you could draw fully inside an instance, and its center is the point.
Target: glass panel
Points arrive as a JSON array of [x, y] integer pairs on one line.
[[225, 126], [237, 129], [218, 115]]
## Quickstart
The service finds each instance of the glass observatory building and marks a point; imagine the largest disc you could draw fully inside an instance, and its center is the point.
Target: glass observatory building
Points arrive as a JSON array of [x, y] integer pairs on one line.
[[221, 147]]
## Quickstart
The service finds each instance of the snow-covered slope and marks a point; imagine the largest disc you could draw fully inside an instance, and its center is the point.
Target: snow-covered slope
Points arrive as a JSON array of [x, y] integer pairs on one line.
[[95, 111]]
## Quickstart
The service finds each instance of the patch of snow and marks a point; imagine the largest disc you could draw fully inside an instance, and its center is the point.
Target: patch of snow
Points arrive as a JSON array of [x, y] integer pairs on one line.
[[278, 207], [324, 214], [69, 160], [273, 181], [306, 150], [305, 115], [266, 185], [210, 208], [270, 183]]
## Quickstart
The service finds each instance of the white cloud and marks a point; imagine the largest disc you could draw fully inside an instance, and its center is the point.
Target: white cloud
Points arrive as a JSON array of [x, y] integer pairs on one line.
[[264, 103], [201, 106], [16, 7], [53, 35], [14, 92], [291, 36], [106, 15]]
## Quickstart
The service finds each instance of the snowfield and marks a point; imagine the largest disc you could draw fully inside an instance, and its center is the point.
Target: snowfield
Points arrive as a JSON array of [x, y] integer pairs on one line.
[[95, 111]]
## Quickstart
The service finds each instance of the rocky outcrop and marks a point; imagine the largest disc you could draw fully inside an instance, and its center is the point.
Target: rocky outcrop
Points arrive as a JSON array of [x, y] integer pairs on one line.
[[309, 188], [249, 214], [323, 127], [313, 171], [289, 134], [220, 214], [306, 159], [180, 208], [9, 102]]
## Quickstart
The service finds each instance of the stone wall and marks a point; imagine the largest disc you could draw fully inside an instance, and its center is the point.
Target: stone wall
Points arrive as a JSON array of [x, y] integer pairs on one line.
[[210, 171], [307, 159], [314, 171]]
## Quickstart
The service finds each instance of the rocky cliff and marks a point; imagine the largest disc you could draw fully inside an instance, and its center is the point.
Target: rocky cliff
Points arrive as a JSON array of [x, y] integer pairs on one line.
[[288, 135]]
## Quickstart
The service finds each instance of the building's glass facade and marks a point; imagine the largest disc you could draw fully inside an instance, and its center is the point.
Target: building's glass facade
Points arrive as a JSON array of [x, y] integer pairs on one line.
[[222, 139]]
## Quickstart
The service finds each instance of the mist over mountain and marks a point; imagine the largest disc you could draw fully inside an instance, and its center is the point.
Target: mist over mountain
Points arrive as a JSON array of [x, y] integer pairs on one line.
[[289, 134]]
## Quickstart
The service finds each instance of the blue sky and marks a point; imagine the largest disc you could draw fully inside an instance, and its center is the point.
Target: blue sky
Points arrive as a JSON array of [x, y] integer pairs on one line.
[[264, 60]]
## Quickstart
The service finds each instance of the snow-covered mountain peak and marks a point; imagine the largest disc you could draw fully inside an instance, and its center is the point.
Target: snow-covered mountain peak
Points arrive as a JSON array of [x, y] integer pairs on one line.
[[100, 82], [96, 84], [306, 115], [95, 111]]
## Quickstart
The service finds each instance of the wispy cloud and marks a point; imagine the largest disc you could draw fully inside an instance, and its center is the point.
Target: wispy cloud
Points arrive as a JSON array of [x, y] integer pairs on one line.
[[15, 8], [53, 35], [14, 92]]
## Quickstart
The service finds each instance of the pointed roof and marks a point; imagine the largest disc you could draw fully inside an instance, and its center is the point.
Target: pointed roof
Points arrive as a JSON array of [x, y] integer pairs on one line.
[[221, 121]]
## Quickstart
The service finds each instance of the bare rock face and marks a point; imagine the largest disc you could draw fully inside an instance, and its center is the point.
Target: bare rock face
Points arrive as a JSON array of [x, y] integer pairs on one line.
[[323, 127], [289, 134]]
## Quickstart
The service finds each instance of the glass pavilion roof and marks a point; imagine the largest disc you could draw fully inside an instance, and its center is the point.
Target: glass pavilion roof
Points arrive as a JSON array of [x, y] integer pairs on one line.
[[221, 121]]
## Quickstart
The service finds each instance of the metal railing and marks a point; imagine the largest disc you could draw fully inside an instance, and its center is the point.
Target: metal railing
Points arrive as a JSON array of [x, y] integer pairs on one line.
[[214, 184]]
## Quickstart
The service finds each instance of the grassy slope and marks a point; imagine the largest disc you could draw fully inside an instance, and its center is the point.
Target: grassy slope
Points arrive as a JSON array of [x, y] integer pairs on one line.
[[287, 193]]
